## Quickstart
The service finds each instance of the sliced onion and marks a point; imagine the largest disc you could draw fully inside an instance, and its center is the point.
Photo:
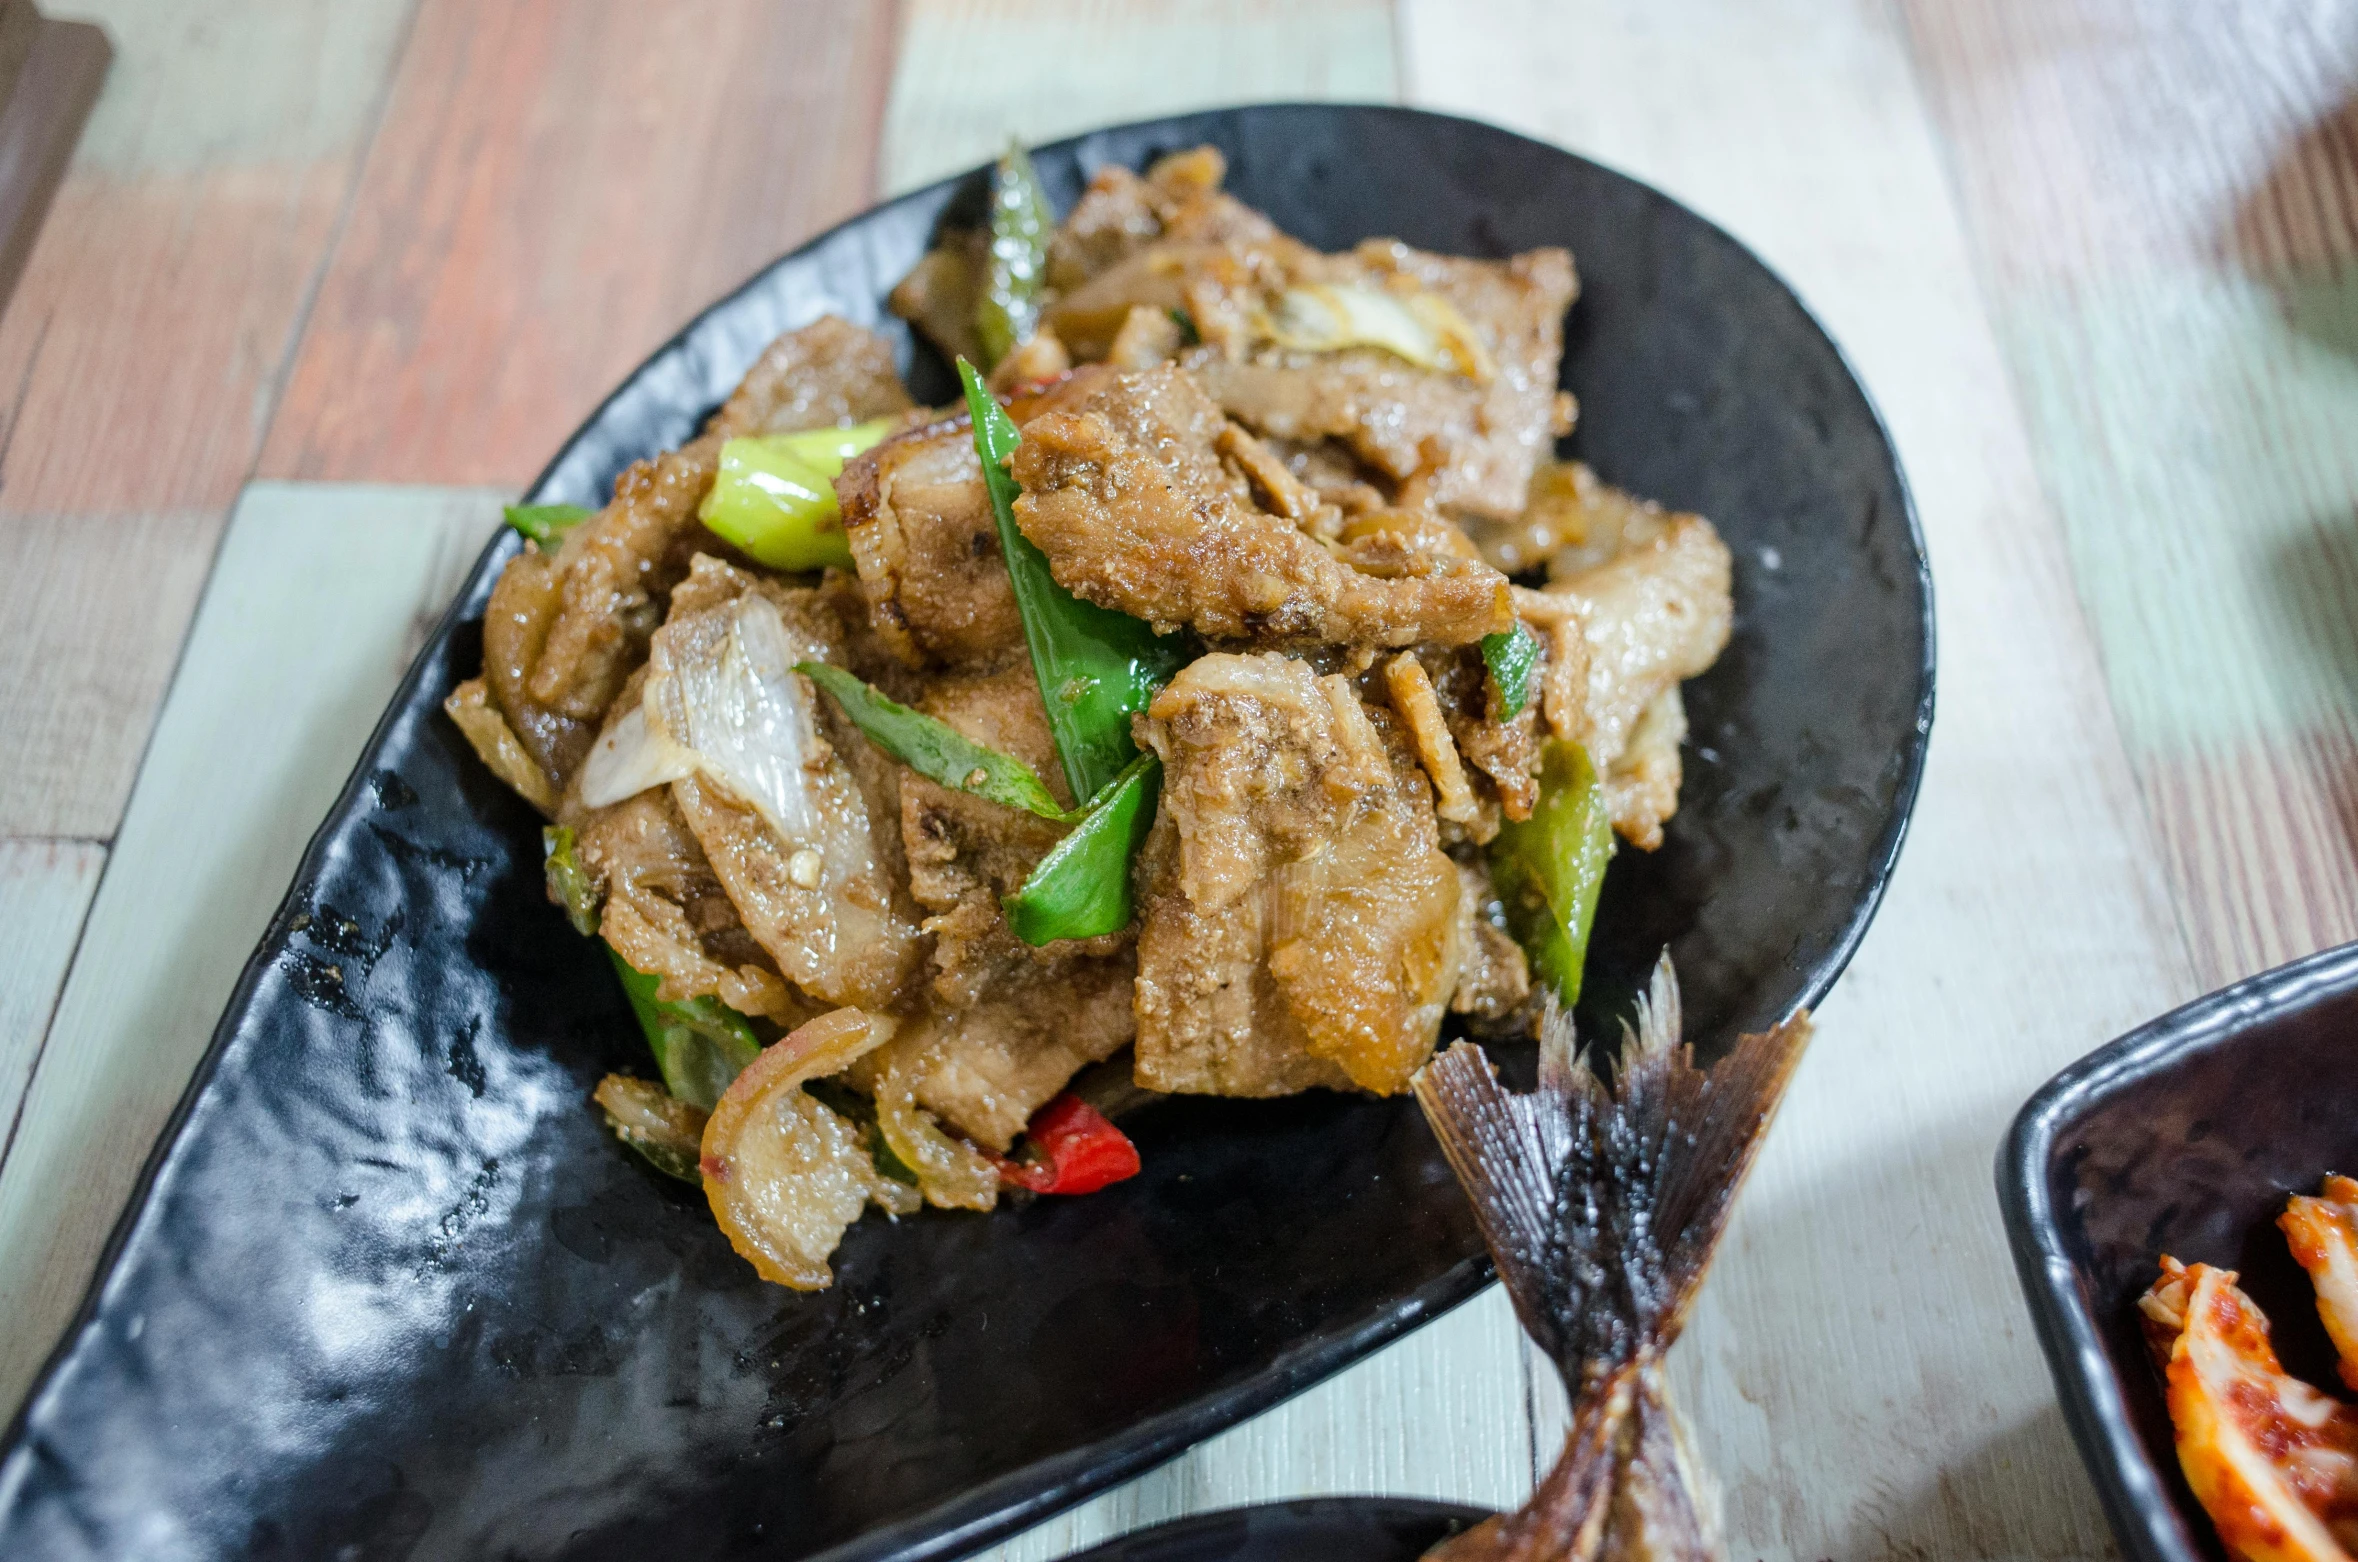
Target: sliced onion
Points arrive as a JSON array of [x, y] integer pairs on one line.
[[786, 1176], [952, 1173], [743, 716], [1423, 328], [630, 757]]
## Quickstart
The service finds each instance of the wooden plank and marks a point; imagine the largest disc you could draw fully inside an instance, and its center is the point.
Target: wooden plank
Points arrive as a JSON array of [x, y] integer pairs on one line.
[[555, 190], [52, 71], [322, 596], [1861, 1370], [140, 356], [45, 890], [95, 614], [2164, 203], [972, 73]]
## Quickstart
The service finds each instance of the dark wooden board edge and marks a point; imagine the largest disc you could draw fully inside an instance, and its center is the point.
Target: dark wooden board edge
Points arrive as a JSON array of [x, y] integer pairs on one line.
[[52, 71]]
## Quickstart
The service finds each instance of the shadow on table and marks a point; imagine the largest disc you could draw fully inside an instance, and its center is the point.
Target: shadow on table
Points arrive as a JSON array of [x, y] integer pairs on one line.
[[2287, 232]]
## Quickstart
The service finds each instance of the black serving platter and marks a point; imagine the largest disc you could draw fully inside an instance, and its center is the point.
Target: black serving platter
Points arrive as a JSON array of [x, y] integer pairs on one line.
[[1312, 1529], [2183, 1137], [389, 1289]]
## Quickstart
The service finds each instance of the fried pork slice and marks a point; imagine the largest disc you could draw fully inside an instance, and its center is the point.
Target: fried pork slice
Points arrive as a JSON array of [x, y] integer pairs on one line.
[[476, 714], [1299, 911], [784, 1174], [1641, 784], [525, 602], [927, 550], [1488, 432], [664, 910], [587, 615], [1128, 489], [667, 915], [1494, 984], [1210, 1018], [2273, 1461], [805, 844], [1653, 617], [1121, 214], [1005, 1025], [986, 1068], [1620, 638], [1469, 435], [2323, 1232], [1499, 753]]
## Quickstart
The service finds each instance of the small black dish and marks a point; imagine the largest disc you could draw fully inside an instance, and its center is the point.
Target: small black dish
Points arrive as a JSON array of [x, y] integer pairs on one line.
[[2184, 1137], [389, 1288], [1312, 1529]]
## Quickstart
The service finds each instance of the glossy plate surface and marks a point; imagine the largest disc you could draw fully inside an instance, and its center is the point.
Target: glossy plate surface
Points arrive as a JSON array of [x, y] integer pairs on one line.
[[1315, 1529], [391, 1290], [2184, 1137]]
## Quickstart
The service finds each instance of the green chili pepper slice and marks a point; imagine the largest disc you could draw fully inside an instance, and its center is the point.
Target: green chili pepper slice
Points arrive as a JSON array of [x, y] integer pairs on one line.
[[1082, 887], [1548, 868], [933, 748], [700, 1046], [570, 884], [1096, 667], [774, 496], [1511, 655], [546, 524], [1008, 310]]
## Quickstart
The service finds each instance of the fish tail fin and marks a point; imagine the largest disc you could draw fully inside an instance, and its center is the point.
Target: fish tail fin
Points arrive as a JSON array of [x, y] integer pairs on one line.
[[1602, 1204]]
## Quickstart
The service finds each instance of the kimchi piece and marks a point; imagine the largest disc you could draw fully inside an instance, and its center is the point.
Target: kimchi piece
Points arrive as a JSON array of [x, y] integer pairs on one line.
[[2273, 1461]]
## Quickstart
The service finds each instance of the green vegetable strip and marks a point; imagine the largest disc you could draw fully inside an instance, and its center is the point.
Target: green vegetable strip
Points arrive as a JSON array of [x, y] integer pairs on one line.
[[1082, 887], [1511, 656], [774, 495], [935, 749], [1008, 311], [570, 884], [700, 1046], [1096, 667], [547, 524], [1548, 868]]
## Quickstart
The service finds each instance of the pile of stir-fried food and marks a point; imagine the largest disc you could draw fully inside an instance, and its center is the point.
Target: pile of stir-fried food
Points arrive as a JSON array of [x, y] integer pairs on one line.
[[1171, 694], [2272, 1460]]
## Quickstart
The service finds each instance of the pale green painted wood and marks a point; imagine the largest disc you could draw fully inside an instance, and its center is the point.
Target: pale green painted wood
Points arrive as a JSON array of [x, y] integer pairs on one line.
[[2164, 207], [201, 85], [2199, 432], [322, 595], [973, 73], [45, 890], [1860, 1371]]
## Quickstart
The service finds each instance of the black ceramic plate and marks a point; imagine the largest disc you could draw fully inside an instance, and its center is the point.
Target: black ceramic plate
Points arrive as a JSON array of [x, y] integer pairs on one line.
[[2184, 1137], [1314, 1529], [391, 1290]]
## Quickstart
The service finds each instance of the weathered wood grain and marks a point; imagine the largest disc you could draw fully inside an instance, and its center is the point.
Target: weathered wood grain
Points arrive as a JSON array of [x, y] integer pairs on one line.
[[555, 190], [96, 611], [140, 356], [973, 73], [322, 596], [1861, 1371], [2164, 204], [45, 890]]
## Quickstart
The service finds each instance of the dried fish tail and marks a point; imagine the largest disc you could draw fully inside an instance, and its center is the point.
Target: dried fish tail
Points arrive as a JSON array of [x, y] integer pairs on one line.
[[1602, 1205]]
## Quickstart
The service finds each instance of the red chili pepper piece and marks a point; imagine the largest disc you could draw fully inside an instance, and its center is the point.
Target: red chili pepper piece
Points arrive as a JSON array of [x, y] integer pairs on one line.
[[1075, 1150]]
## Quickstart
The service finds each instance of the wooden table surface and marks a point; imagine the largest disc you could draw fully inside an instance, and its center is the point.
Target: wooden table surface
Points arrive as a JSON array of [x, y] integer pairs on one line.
[[328, 281]]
